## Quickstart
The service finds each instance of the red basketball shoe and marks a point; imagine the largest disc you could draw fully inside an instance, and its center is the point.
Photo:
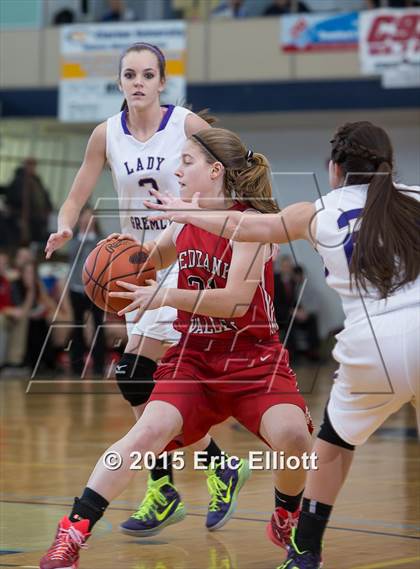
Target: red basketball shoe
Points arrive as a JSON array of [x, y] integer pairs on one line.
[[280, 526], [69, 539]]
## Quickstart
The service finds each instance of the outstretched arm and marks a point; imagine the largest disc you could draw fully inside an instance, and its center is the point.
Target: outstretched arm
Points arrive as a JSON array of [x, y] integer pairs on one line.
[[81, 189], [294, 222]]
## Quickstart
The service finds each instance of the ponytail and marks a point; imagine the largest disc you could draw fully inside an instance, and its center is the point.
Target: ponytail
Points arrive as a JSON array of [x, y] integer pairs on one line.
[[252, 185], [124, 105], [386, 254], [247, 177], [387, 251]]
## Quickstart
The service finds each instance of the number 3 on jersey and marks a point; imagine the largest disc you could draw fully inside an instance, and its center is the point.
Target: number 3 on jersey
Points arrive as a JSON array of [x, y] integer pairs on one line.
[[149, 182]]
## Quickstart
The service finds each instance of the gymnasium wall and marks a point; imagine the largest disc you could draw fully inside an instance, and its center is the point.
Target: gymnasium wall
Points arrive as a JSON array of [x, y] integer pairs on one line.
[[223, 51]]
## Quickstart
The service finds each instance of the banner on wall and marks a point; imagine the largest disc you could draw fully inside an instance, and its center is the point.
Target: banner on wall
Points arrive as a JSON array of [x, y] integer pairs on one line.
[[390, 46], [88, 90], [319, 32]]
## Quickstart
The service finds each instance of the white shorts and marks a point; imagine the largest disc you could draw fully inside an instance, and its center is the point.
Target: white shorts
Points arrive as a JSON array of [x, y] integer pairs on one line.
[[157, 324], [371, 384]]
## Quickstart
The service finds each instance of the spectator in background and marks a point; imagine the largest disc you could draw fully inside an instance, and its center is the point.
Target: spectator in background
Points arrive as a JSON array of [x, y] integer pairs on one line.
[[118, 12], [13, 319], [306, 319], [29, 291], [23, 256], [372, 4], [302, 336], [6, 224], [64, 17], [230, 9], [29, 204], [5, 305], [84, 241], [284, 300], [194, 9], [280, 7]]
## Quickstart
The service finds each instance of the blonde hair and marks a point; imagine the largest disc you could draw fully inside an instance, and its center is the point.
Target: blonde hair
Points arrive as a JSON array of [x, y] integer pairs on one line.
[[247, 177]]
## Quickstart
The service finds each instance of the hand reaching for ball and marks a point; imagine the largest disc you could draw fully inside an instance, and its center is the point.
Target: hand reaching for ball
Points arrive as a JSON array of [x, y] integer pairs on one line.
[[118, 236]]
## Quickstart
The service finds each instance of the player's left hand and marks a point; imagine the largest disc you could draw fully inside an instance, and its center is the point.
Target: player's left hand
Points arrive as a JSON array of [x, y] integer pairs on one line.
[[143, 297], [119, 237], [176, 208]]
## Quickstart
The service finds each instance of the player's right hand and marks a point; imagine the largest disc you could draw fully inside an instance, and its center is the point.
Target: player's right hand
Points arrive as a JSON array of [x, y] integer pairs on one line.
[[57, 240], [118, 236]]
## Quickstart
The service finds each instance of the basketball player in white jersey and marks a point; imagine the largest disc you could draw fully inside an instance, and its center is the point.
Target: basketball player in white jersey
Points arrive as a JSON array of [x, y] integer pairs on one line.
[[142, 145], [367, 232]]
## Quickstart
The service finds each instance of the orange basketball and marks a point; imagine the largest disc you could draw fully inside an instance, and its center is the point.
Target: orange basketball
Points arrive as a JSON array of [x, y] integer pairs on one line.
[[115, 260]]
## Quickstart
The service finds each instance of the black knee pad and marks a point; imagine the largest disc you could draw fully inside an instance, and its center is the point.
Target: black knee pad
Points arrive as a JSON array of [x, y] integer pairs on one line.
[[327, 433], [134, 375]]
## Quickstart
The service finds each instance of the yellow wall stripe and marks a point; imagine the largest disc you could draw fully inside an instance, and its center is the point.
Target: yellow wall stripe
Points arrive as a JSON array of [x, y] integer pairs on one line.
[[72, 71]]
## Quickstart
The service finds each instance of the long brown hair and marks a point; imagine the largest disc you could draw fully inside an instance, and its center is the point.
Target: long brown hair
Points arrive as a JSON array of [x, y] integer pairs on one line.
[[387, 245], [247, 177], [143, 46]]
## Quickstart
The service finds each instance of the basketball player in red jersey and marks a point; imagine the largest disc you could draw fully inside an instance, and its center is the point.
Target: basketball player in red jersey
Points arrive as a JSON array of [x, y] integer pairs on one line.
[[142, 145], [228, 362]]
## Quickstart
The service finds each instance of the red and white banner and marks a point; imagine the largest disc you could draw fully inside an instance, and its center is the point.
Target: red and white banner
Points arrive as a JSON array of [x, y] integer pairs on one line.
[[389, 39]]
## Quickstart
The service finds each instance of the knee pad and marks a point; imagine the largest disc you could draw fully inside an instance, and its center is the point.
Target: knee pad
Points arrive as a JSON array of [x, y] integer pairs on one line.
[[134, 375], [327, 433]]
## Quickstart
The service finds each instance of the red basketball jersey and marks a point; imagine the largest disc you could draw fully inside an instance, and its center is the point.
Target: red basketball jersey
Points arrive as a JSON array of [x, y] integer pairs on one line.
[[204, 261]]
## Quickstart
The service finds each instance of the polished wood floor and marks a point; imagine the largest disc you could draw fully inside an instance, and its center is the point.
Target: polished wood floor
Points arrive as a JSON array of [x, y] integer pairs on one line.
[[53, 434]]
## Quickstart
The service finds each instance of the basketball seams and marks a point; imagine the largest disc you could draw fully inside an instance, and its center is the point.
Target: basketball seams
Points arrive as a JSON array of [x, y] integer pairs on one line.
[[116, 256], [107, 263], [97, 290], [95, 261], [111, 259]]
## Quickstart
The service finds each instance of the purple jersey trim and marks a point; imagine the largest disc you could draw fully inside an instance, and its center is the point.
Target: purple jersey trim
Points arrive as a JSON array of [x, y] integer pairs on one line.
[[166, 117], [124, 122], [163, 122]]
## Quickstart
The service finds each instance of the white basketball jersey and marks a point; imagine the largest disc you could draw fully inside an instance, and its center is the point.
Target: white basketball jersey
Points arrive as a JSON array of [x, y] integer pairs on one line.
[[337, 213], [138, 167]]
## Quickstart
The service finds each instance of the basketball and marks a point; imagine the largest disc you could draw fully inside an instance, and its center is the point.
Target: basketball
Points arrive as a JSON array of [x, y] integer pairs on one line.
[[117, 259]]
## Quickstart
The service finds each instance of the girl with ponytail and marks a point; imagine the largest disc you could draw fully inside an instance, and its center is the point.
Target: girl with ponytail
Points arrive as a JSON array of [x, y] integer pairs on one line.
[[367, 232], [228, 360], [142, 145]]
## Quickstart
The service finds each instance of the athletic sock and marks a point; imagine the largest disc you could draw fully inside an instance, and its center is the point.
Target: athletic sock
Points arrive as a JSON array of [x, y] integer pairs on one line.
[[289, 503], [311, 526], [163, 468], [212, 452], [90, 506]]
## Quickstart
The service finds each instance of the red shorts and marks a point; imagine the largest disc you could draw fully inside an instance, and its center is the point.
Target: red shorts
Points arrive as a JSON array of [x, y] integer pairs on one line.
[[208, 382]]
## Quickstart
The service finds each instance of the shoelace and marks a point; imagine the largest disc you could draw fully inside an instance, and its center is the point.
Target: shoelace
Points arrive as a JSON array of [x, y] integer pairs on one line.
[[69, 541], [290, 522], [153, 497], [216, 487]]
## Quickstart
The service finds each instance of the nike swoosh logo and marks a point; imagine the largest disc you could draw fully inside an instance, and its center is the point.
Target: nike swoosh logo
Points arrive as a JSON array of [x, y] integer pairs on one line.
[[226, 499], [161, 516], [264, 358]]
